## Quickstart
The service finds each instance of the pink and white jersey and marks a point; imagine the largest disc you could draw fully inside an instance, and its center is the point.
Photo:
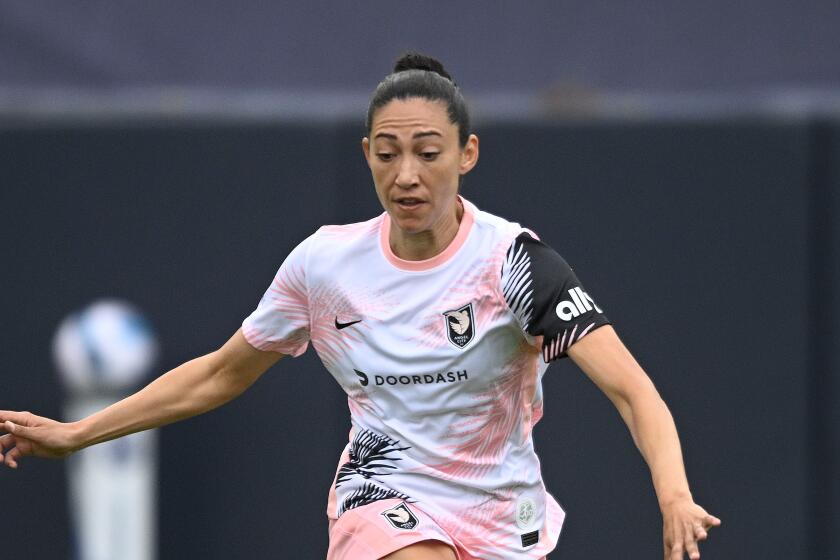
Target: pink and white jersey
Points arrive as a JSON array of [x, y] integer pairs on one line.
[[441, 361]]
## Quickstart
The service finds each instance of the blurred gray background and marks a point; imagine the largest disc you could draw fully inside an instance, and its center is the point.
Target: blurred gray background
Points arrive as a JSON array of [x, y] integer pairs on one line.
[[684, 157]]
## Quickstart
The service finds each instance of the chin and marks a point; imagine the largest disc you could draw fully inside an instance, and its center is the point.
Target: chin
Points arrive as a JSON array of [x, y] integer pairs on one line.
[[409, 225]]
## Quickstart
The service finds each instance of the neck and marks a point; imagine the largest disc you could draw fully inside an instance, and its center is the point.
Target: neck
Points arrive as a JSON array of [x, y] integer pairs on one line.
[[430, 243]]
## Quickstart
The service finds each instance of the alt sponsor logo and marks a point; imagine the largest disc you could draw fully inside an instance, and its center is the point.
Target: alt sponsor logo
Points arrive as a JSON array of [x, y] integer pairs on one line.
[[460, 325], [578, 304], [401, 517]]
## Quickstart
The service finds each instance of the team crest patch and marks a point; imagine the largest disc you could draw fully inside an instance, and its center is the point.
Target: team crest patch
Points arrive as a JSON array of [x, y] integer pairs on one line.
[[460, 325], [401, 517]]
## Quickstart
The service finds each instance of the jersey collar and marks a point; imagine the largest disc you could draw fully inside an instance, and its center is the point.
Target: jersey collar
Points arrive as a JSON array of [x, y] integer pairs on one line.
[[444, 256]]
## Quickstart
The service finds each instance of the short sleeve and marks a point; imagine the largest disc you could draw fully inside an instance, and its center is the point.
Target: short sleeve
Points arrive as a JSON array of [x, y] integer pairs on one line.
[[280, 323], [549, 301]]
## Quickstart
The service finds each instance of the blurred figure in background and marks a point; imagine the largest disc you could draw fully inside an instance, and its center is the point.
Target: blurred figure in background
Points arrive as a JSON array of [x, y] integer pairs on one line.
[[102, 353]]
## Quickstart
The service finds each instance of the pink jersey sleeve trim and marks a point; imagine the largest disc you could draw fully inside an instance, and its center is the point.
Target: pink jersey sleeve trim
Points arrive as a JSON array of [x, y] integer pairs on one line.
[[439, 259]]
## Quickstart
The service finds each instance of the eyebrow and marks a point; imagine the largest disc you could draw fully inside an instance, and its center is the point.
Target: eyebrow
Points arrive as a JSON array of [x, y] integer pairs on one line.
[[416, 134]]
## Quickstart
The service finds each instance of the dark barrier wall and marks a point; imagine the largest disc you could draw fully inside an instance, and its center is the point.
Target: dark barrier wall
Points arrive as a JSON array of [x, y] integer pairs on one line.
[[825, 328], [713, 246]]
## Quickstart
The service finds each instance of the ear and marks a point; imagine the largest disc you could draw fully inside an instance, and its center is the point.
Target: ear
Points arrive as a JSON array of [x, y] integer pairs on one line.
[[366, 149], [469, 155]]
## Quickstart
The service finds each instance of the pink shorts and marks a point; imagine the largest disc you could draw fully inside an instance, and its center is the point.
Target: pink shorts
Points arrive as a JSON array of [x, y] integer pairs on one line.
[[382, 527], [378, 529]]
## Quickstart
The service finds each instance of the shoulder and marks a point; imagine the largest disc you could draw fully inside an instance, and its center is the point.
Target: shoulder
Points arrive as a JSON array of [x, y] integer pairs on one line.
[[349, 231], [527, 244], [327, 242], [529, 258], [492, 233], [546, 296], [329, 239], [484, 220]]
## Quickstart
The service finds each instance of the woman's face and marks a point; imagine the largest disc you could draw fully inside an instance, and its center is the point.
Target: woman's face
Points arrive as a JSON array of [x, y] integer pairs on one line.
[[416, 161]]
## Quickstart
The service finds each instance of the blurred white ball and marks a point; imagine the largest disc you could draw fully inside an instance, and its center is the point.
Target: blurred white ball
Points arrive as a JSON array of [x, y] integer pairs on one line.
[[108, 346]]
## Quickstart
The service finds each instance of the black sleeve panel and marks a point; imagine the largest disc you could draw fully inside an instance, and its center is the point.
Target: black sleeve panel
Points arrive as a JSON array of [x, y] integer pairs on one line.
[[543, 292]]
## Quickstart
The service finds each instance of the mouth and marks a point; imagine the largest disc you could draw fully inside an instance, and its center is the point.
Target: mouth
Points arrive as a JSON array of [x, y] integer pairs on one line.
[[408, 202]]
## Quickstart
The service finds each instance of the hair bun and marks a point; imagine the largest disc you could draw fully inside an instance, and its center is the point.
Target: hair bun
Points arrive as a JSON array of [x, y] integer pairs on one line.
[[417, 61]]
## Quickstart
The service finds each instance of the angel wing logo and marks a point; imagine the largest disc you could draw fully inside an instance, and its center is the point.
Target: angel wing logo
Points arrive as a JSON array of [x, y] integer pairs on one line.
[[460, 325], [459, 321], [401, 517]]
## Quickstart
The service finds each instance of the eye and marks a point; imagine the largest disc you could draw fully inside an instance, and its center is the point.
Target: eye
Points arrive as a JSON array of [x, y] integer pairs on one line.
[[385, 156], [429, 156]]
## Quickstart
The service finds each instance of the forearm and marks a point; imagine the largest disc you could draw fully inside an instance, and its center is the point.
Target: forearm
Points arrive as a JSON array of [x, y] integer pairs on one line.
[[190, 389], [684, 523], [611, 366], [653, 430]]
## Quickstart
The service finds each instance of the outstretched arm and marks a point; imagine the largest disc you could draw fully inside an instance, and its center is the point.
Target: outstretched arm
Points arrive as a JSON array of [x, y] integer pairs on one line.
[[190, 389], [605, 359]]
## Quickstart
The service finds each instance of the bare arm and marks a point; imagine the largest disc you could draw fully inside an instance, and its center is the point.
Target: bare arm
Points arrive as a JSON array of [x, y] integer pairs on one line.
[[194, 387], [605, 359]]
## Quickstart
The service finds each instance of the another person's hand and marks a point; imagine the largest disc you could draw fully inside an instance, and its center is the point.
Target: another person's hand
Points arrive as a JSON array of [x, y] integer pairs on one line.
[[28, 434], [685, 525]]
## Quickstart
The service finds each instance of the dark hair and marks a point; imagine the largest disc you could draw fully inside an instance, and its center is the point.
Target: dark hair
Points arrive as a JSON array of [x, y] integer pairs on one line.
[[418, 75]]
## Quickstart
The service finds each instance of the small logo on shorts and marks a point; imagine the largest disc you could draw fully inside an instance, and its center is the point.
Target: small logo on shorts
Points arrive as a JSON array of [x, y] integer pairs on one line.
[[401, 517], [460, 326]]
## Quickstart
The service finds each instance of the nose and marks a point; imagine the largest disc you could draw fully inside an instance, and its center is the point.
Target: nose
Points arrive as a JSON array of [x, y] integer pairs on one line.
[[407, 174]]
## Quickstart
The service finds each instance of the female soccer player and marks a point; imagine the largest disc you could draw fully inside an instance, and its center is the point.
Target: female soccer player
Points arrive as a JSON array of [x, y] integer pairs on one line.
[[438, 320]]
